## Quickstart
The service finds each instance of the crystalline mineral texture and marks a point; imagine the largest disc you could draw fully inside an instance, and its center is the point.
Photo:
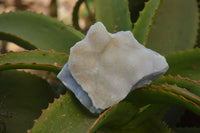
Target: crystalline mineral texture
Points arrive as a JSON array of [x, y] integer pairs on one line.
[[103, 68]]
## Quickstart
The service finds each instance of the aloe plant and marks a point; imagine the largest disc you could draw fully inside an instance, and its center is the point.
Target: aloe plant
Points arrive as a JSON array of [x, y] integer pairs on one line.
[[30, 103]]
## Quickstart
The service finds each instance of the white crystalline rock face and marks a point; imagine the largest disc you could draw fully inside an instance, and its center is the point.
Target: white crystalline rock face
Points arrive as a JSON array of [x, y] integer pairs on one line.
[[103, 68]]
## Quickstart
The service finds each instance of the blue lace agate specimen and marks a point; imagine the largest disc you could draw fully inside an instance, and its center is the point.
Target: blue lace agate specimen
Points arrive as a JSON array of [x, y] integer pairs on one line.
[[103, 68]]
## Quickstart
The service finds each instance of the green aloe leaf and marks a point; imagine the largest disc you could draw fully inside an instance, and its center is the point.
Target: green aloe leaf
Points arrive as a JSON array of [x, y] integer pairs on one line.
[[185, 63], [174, 28], [115, 117], [36, 59], [32, 31], [191, 85], [152, 125], [174, 115], [22, 96], [149, 126], [66, 114], [59, 117], [114, 14], [156, 111], [143, 25], [146, 120], [165, 94]]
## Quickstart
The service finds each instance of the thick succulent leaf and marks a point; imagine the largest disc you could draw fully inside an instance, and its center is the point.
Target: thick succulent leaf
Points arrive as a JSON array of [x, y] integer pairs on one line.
[[31, 31], [191, 85], [145, 121], [155, 111], [36, 59], [185, 63], [145, 20], [115, 117], [150, 126], [175, 113], [22, 97], [66, 114], [174, 28], [165, 94], [114, 14]]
